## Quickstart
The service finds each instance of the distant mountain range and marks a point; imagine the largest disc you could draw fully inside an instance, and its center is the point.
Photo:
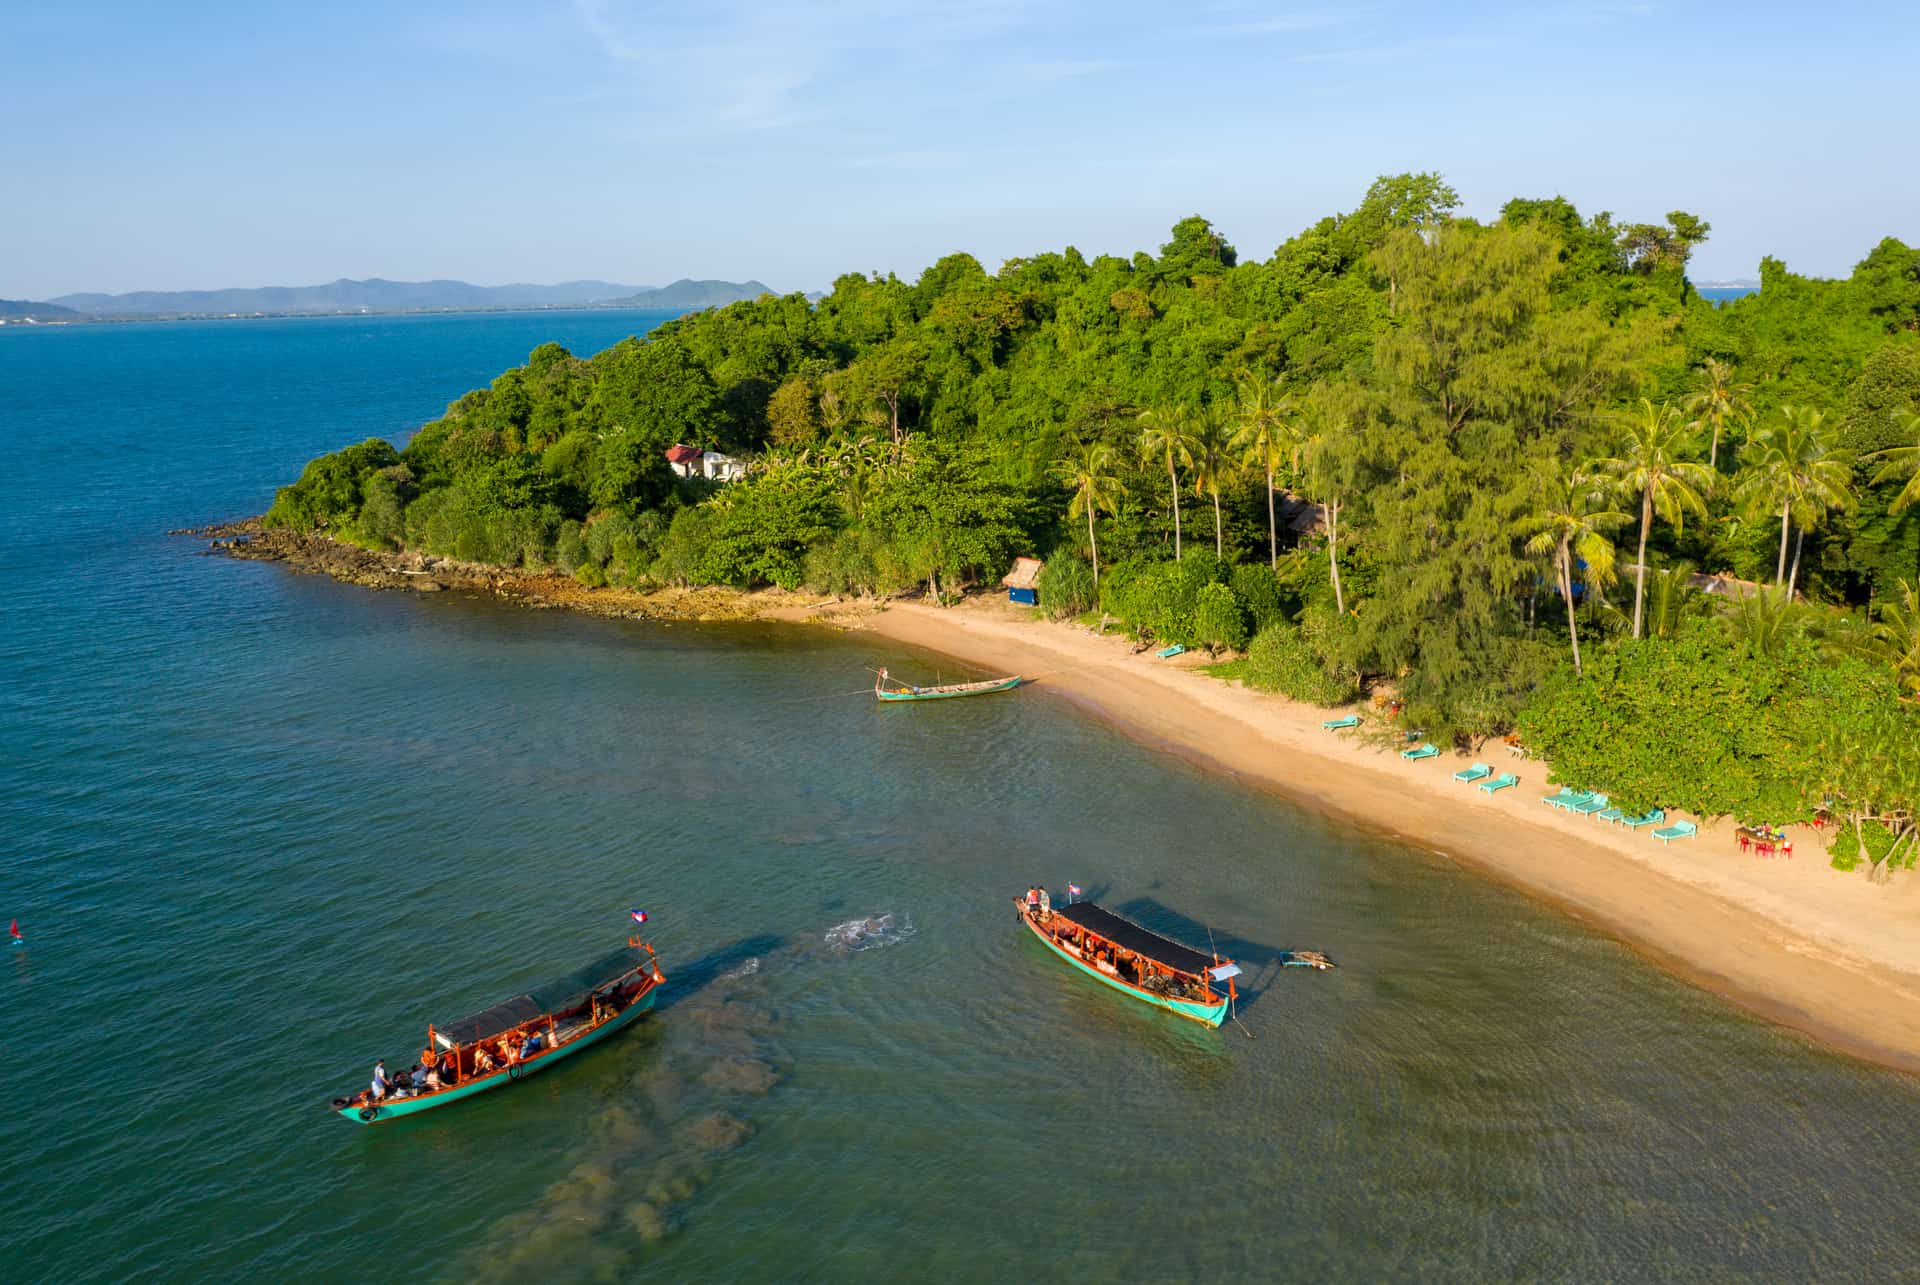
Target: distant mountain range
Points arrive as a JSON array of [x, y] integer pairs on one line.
[[376, 295], [25, 309]]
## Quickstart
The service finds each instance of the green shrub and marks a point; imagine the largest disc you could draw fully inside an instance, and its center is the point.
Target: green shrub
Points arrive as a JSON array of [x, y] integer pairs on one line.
[[590, 575], [1219, 620], [1261, 593], [570, 546], [1283, 659], [1066, 587], [1159, 599], [328, 492]]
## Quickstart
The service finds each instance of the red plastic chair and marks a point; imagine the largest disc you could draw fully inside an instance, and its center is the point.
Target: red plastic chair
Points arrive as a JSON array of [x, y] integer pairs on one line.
[[1744, 841]]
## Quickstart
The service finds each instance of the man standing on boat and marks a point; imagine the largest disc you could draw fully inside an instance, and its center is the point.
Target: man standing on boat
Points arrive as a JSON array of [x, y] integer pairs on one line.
[[1046, 904], [380, 1079]]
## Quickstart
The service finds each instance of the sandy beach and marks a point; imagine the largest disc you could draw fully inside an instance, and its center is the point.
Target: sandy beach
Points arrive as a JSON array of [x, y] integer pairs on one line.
[[1832, 955]]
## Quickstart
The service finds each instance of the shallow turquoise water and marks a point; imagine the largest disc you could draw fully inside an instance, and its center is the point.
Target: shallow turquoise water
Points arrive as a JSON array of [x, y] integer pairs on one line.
[[260, 828]]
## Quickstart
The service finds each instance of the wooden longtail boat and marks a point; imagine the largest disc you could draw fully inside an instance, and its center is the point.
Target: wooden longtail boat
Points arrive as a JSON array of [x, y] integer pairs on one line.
[[1135, 961], [900, 691], [489, 1050]]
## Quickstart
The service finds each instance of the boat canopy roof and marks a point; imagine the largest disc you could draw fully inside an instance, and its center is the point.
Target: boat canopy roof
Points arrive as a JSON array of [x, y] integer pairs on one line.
[[561, 993], [1131, 936]]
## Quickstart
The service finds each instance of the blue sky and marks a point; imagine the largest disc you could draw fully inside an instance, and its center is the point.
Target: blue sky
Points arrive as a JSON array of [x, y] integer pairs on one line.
[[173, 147]]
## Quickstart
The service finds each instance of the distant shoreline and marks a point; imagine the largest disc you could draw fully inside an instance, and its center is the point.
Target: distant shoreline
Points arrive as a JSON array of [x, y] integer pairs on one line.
[[20, 323]]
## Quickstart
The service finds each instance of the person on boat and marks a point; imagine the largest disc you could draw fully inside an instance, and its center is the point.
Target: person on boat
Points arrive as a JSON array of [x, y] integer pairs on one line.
[[380, 1079], [1033, 898], [432, 1080], [533, 1045], [483, 1061], [1046, 904]]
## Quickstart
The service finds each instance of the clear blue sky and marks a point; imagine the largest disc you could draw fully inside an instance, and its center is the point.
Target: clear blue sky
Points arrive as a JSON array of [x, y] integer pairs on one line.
[[171, 147]]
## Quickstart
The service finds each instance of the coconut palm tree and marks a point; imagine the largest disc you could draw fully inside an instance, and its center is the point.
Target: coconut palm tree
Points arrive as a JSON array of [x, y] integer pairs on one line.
[[1213, 466], [1765, 620], [1651, 463], [1793, 467], [1718, 404], [1902, 461], [1088, 473], [1573, 515], [1267, 432], [1167, 440], [1897, 636]]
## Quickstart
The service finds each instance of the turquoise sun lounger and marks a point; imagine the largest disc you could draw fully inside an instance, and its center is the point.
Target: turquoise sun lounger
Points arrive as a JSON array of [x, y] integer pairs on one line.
[[1478, 772], [1426, 751], [1168, 653], [1678, 830], [1566, 798], [1589, 805], [1653, 817], [1500, 782], [1611, 814], [1339, 724]]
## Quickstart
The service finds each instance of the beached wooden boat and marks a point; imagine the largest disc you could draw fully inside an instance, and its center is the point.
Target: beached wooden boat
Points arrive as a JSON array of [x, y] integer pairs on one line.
[[522, 1035], [1136, 961], [888, 688]]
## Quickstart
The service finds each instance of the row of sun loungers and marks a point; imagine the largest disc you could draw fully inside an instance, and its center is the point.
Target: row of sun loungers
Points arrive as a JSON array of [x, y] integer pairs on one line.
[[1588, 803]]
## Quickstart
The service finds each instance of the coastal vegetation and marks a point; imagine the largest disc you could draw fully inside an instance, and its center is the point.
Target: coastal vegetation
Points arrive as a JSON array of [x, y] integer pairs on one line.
[[1480, 464]]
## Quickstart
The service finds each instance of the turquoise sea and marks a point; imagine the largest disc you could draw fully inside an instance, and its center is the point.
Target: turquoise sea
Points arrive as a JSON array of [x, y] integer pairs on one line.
[[260, 828]]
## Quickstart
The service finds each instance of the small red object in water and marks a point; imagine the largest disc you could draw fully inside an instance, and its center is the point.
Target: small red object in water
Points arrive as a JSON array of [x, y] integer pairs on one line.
[[13, 931]]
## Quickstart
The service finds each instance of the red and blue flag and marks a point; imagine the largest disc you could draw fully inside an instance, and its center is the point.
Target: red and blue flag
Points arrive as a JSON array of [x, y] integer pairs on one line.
[[639, 916]]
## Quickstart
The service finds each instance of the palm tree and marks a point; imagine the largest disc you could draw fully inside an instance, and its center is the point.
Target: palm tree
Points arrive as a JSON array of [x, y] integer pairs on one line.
[[1572, 521], [1650, 464], [1793, 466], [1166, 440], [1897, 637], [1765, 620], [1088, 473], [1902, 461], [1719, 403], [1213, 465], [1267, 431], [1318, 439]]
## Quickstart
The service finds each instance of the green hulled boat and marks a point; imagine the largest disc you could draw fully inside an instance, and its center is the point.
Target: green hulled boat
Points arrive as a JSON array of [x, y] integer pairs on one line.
[[517, 1037], [899, 691], [1135, 961]]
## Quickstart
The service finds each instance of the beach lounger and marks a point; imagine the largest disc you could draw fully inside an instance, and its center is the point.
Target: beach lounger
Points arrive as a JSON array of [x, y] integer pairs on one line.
[[1478, 772], [1678, 830], [1426, 751], [1340, 724], [1168, 653], [1589, 805], [1611, 814], [1500, 782], [1566, 798], [1654, 817]]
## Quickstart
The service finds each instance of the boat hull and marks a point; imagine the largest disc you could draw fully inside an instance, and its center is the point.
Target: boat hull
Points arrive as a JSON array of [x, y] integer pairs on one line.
[[393, 1110], [1005, 685], [1205, 1014]]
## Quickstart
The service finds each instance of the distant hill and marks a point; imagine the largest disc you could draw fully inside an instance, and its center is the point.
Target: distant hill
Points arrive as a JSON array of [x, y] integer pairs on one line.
[[376, 295], [23, 309], [691, 295]]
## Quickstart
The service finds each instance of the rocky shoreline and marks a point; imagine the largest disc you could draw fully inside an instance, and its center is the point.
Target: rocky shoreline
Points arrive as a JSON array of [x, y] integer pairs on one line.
[[312, 553]]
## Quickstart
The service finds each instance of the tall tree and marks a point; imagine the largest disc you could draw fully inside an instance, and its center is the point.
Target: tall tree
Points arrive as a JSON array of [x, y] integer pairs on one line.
[[1167, 440], [1718, 404], [1652, 463], [1793, 466], [1213, 464], [1266, 433], [1088, 473], [1572, 518]]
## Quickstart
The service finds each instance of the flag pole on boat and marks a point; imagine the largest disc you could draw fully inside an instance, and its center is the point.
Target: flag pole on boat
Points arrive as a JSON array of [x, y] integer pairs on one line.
[[1219, 972]]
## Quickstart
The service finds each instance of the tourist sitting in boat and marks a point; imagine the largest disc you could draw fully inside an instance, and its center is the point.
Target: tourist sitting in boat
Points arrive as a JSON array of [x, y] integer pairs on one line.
[[1046, 904], [534, 1044], [483, 1061], [432, 1081]]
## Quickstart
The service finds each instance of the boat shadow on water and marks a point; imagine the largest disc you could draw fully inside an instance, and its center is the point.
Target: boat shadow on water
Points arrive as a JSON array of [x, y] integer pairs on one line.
[[689, 979], [1259, 963]]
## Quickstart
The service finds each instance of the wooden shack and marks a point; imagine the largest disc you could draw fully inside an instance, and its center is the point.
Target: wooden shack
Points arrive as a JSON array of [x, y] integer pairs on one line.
[[1023, 582]]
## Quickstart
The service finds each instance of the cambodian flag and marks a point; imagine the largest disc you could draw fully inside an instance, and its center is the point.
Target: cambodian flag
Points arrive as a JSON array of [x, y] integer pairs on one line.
[[639, 916], [1074, 890]]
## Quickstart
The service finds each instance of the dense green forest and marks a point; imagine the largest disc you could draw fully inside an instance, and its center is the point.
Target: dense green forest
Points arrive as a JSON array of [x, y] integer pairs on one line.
[[1480, 463]]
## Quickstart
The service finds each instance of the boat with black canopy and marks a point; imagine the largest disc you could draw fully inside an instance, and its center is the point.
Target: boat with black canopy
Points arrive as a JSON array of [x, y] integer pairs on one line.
[[517, 1037], [1135, 961]]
